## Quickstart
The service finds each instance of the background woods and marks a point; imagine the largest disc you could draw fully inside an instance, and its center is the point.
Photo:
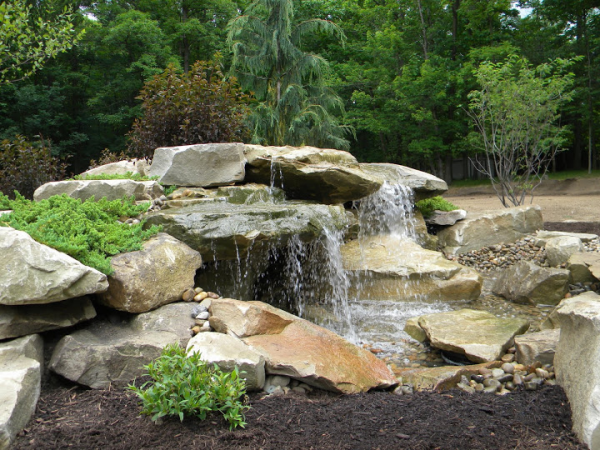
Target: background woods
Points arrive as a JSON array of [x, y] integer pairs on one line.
[[388, 79]]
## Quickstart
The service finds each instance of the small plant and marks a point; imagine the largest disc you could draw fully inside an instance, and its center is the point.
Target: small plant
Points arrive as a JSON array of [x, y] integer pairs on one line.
[[186, 385], [116, 176], [429, 205], [25, 166], [88, 231], [170, 189], [107, 157]]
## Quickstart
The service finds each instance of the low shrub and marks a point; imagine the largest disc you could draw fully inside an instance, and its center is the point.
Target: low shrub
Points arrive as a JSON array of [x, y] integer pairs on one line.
[[429, 205], [25, 166], [89, 231], [186, 385]]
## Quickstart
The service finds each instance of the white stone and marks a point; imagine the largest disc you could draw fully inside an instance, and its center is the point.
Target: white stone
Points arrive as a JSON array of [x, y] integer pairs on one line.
[[135, 166], [577, 365], [228, 352], [199, 165], [111, 189], [32, 273], [559, 249], [21, 361]]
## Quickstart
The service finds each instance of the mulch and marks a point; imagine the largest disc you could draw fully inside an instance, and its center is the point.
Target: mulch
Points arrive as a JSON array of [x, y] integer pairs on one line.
[[101, 419]]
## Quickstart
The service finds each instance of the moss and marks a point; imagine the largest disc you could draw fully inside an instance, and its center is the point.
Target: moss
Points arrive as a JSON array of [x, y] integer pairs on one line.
[[89, 231], [429, 205]]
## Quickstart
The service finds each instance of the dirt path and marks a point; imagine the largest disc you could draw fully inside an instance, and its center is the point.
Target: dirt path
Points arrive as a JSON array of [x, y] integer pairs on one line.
[[567, 200]]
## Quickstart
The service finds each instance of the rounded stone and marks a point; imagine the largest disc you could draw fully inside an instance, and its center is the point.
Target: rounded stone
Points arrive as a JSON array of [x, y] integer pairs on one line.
[[508, 368]]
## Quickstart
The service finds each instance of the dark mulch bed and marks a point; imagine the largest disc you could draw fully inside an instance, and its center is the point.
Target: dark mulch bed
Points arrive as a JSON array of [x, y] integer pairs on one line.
[[86, 419], [574, 227]]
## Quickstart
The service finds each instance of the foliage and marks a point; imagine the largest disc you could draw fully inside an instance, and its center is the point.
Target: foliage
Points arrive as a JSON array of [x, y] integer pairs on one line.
[[186, 385], [108, 157], [89, 231], [180, 109], [26, 43], [25, 166], [296, 106], [170, 189], [428, 205], [515, 114], [115, 176]]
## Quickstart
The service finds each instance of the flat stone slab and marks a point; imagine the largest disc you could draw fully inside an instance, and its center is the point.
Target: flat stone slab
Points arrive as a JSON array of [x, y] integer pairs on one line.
[[111, 189], [21, 362], [542, 236], [584, 266], [33, 273], [478, 335], [391, 268], [22, 320], [199, 165], [423, 184], [135, 166], [490, 228], [534, 347], [446, 218]]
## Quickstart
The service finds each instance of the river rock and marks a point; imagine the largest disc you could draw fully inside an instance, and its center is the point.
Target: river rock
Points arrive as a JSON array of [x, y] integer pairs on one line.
[[490, 228], [112, 352], [134, 166], [199, 165], [391, 268], [424, 185], [21, 362], [479, 335], [151, 277], [577, 365], [446, 218], [223, 231], [33, 273], [540, 346], [298, 349], [111, 189], [23, 320], [559, 249], [584, 267], [528, 283], [228, 352], [309, 173], [441, 378]]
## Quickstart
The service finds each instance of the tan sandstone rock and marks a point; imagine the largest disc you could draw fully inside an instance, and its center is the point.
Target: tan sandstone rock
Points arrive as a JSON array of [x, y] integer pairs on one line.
[[298, 349]]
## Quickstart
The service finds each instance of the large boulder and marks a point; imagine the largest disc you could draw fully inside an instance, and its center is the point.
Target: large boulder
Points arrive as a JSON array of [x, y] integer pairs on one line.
[[389, 268], [309, 173], [23, 320], [223, 231], [577, 365], [111, 189], [584, 267], [21, 362], [553, 321], [423, 184], [298, 349], [33, 273], [154, 276], [134, 166], [228, 352], [537, 347], [112, 352], [490, 228], [528, 283], [543, 236], [478, 335], [199, 165], [560, 249]]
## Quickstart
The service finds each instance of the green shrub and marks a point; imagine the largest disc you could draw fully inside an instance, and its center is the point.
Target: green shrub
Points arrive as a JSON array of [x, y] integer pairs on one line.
[[428, 205], [186, 385], [198, 107], [25, 166], [88, 231]]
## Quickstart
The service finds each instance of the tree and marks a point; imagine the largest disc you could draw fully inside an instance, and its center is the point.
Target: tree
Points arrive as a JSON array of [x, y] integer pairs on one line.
[[515, 113], [190, 108], [296, 107], [26, 43]]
